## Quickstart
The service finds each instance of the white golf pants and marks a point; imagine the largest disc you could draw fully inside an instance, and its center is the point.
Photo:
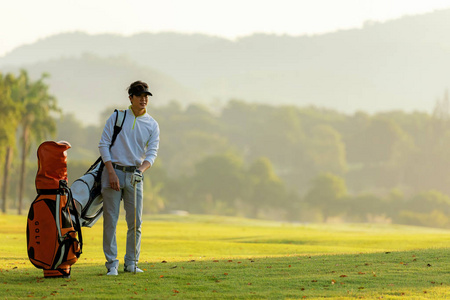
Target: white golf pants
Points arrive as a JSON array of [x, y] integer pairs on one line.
[[111, 209]]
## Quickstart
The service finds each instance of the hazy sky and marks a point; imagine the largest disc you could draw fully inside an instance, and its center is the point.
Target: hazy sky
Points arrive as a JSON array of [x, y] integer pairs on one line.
[[25, 21]]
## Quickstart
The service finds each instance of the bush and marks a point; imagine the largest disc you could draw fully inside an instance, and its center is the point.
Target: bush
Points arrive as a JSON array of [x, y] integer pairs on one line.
[[433, 219]]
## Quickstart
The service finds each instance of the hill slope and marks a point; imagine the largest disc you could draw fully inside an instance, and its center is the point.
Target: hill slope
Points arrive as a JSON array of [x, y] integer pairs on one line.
[[88, 85]]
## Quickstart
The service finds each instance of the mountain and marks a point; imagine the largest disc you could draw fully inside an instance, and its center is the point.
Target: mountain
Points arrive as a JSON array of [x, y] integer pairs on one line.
[[399, 64], [88, 85]]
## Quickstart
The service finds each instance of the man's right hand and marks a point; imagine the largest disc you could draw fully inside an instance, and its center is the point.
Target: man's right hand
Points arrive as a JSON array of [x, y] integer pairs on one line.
[[113, 179]]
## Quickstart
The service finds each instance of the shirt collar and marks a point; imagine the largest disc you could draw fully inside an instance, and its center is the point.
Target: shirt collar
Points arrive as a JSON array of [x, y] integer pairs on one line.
[[145, 111]]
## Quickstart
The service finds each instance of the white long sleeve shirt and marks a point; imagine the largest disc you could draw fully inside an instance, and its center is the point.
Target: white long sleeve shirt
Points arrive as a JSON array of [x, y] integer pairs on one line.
[[137, 141]]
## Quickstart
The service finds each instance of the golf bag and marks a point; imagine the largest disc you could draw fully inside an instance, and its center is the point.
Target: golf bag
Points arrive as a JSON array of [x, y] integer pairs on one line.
[[87, 189], [51, 234]]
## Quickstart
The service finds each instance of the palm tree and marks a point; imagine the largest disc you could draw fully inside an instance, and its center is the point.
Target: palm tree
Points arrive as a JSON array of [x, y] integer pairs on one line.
[[9, 111], [36, 121]]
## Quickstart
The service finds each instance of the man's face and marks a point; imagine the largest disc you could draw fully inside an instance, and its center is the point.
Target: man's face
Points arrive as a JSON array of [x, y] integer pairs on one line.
[[139, 102]]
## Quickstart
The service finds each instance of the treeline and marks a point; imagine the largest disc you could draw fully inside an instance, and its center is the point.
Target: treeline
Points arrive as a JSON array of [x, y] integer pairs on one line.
[[306, 164], [27, 112], [303, 164]]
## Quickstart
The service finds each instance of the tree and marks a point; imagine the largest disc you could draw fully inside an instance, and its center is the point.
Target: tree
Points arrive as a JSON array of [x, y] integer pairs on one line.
[[9, 111], [266, 188], [375, 143], [84, 139], [326, 151], [189, 136], [195, 146], [428, 201], [36, 121], [218, 183], [326, 194], [155, 182], [153, 201]]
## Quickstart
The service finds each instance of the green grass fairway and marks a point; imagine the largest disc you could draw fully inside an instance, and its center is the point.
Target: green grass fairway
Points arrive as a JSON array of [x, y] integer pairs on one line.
[[211, 257]]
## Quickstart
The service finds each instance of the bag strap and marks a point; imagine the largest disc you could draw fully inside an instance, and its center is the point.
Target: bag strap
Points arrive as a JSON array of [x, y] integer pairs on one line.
[[50, 191], [120, 119], [70, 205]]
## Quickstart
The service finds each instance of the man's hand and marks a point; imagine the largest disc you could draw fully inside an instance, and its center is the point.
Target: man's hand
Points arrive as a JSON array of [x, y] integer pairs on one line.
[[114, 181], [136, 177]]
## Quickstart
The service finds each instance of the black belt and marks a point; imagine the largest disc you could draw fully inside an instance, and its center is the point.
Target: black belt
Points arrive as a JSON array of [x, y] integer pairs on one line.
[[124, 169]]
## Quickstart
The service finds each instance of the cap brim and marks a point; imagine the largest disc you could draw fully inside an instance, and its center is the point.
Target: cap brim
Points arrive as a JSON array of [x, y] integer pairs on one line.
[[143, 92]]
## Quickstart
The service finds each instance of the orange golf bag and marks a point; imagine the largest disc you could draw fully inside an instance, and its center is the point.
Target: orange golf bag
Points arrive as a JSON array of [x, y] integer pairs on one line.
[[51, 234]]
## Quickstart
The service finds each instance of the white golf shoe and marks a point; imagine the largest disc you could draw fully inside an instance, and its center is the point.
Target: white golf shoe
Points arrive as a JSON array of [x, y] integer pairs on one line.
[[131, 269], [112, 271]]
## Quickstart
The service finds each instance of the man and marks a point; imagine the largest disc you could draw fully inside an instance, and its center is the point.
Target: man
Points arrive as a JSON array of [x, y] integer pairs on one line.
[[132, 153]]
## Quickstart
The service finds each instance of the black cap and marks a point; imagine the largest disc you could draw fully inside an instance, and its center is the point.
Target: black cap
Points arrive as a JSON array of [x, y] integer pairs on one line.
[[139, 90]]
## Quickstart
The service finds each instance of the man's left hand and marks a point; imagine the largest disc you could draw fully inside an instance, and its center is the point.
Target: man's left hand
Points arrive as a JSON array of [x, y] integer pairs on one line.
[[136, 177]]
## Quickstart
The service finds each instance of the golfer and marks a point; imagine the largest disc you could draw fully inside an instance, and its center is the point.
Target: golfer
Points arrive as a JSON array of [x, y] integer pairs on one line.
[[133, 152]]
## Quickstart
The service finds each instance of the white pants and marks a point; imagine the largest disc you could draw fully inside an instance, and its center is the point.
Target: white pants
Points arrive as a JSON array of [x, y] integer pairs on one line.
[[111, 209]]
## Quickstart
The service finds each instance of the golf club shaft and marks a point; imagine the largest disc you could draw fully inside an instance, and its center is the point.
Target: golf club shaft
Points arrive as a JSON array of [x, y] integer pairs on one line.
[[135, 208]]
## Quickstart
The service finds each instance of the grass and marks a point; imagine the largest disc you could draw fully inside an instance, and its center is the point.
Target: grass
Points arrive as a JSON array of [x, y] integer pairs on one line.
[[206, 257]]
